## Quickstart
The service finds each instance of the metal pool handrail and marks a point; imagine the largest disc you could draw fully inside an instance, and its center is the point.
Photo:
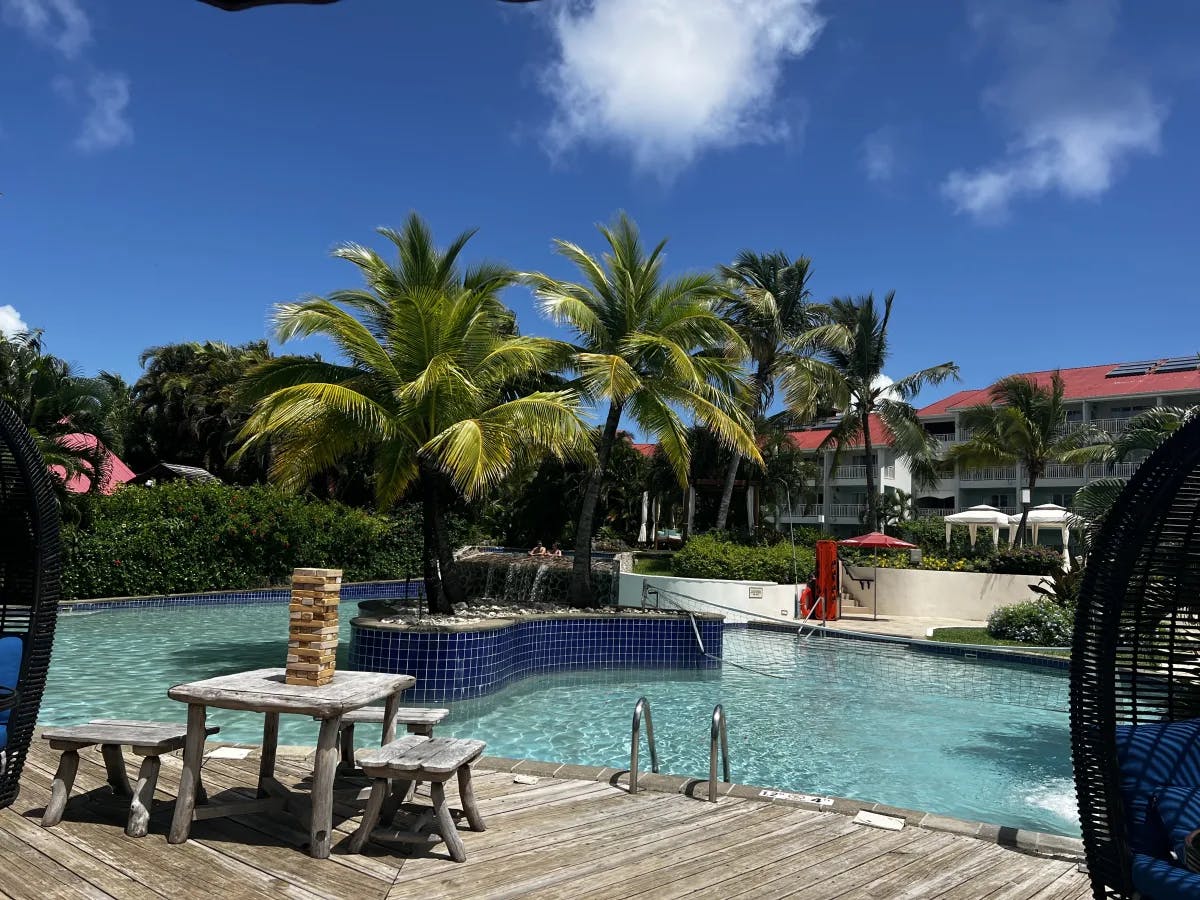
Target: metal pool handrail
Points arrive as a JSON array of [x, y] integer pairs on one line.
[[717, 731], [640, 709]]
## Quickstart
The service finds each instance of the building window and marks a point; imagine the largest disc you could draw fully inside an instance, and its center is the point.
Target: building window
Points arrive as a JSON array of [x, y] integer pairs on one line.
[[1062, 499], [1001, 500]]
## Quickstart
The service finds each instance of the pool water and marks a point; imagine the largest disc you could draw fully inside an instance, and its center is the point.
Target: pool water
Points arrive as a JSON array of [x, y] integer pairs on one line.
[[835, 723]]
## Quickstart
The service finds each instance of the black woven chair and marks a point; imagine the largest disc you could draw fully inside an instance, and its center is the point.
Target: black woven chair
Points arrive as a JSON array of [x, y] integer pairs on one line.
[[29, 592], [1135, 681]]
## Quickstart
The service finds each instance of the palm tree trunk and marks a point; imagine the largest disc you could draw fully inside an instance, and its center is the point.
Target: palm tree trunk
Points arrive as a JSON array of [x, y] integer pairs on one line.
[[727, 490], [443, 589], [1025, 511], [872, 500], [581, 566]]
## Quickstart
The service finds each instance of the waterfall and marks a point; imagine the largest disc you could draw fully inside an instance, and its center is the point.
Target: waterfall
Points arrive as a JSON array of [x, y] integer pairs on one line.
[[535, 591]]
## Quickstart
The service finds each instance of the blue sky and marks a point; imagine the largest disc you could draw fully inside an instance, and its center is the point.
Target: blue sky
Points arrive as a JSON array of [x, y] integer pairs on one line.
[[1023, 174]]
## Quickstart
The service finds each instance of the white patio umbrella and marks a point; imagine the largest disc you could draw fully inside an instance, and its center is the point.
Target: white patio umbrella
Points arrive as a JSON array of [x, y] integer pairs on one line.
[[1048, 515], [973, 518], [645, 516]]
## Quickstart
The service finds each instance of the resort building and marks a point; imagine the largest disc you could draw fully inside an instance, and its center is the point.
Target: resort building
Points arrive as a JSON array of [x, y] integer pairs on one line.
[[839, 500], [1107, 396]]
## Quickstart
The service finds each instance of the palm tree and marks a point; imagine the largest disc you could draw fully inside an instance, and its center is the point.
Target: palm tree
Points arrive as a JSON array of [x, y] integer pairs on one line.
[[1143, 434], [789, 472], [847, 373], [1026, 424], [431, 358], [189, 399], [769, 307], [896, 507], [646, 346], [57, 405]]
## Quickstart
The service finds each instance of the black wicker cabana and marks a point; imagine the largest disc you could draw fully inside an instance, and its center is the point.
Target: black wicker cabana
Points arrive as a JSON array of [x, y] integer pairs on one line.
[[1135, 682], [29, 592]]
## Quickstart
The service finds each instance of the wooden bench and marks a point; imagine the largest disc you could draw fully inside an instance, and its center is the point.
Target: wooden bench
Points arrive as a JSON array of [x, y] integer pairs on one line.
[[417, 720], [394, 767], [146, 739]]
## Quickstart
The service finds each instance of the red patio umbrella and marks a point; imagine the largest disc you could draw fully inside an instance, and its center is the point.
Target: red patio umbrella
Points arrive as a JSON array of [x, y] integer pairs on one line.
[[876, 540]]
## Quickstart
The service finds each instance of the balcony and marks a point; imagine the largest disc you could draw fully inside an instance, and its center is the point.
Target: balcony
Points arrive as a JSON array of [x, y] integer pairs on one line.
[[1112, 426], [1070, 473], [991, 473], [949, 438], [853, 511], [848, 473], [935, 513], [1112, 470], [858, 473]]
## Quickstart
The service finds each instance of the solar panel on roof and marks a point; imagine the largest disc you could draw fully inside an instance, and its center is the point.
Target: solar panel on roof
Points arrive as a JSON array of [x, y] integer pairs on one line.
[[1135, 368], [1178, 364]]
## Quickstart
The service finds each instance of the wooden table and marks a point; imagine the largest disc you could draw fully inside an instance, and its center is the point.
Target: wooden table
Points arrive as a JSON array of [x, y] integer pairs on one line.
[[264, 691]]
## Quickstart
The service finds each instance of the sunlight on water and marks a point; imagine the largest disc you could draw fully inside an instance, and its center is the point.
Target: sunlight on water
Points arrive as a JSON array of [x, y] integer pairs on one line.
[[837, 724]]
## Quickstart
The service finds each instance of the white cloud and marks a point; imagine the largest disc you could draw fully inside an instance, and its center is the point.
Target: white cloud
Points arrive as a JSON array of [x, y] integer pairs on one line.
[[106, 124], [1075, 112], [11, 321], [667, 79], [879, 155], [61, 24]]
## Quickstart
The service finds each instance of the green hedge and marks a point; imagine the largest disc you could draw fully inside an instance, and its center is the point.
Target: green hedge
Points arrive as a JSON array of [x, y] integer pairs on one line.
[[706, 556], [1025, 561], [183, 537], [1037, 622]]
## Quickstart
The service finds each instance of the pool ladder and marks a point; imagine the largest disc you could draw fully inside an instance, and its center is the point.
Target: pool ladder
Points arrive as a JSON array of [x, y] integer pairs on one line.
[[718, 739]]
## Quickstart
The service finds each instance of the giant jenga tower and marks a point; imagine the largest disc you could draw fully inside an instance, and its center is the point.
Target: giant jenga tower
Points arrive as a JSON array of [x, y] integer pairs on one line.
[[313, 635]]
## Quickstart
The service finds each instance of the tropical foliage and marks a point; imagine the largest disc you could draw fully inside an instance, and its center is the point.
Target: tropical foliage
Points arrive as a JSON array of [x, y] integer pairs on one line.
[[650, 347], [846, 371], [184, 537], [59, 407], [1025, 424], [707, 556], [432, 386], [1141, 436], [190, 407], [769, 306]]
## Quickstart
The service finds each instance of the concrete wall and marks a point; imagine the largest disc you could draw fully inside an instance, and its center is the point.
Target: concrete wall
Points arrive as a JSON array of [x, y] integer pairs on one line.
[[951, 595], [759, 598]]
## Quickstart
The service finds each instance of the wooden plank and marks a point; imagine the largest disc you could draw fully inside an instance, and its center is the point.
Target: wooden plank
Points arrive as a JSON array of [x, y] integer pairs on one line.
[[416, 715], [264, 690], [416, 753]]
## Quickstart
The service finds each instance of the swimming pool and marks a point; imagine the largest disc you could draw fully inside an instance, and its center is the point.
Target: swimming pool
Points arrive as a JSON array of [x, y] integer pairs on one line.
[[836, 723]]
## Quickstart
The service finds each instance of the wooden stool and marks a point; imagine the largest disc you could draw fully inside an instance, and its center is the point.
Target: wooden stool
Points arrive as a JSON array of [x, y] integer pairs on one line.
[[146, 739], [417, 720], [415, 758]]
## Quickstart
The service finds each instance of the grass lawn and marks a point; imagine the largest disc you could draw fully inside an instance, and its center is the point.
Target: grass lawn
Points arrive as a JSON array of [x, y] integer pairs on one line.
[[980, 636], [651, 565]]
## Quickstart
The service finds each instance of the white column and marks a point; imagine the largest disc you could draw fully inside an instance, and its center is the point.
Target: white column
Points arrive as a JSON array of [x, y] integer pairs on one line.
[[691, 507], [826, 487], [750, 522]]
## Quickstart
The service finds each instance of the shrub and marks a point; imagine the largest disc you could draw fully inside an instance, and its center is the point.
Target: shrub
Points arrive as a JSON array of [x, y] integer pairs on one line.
[[184, 537], [1033, 622], [707, 556], [930, 535], [1025, 561]]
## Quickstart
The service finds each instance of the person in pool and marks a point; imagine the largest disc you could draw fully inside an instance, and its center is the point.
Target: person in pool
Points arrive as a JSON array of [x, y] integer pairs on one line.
[[555, 550], [539, 549]]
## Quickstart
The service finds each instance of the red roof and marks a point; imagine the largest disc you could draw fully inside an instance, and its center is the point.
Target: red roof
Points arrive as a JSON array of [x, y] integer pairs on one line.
[[645, 449], [1085, 383], [811, 438], [118, 473]]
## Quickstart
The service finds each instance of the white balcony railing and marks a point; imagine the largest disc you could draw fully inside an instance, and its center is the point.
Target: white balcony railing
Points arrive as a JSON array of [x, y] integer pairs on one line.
[[1112, 470], [847, 510], [849, 473], [991, 473], [1056, 470], [1112, 426], [935, 513], [947, 438], [889, 472]]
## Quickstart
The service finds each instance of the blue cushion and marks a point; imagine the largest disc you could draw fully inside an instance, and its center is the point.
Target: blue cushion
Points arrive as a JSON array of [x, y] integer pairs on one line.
[[1178, 808], [1152, 757], [1157, 879], [10, 671]]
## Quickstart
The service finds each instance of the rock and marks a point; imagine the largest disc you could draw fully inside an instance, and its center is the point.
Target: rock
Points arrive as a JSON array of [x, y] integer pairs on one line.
[[460, 609]]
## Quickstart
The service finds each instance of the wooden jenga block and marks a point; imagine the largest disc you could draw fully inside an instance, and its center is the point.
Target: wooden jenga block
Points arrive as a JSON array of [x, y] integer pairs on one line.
[[313, 631]]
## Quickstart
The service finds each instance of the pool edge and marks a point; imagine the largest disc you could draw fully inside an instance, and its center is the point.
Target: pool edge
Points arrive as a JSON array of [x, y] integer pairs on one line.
[[1023, 840]]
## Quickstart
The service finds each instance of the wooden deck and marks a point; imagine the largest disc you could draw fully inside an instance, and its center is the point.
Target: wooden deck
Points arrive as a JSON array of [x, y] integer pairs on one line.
[[558, 838]]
